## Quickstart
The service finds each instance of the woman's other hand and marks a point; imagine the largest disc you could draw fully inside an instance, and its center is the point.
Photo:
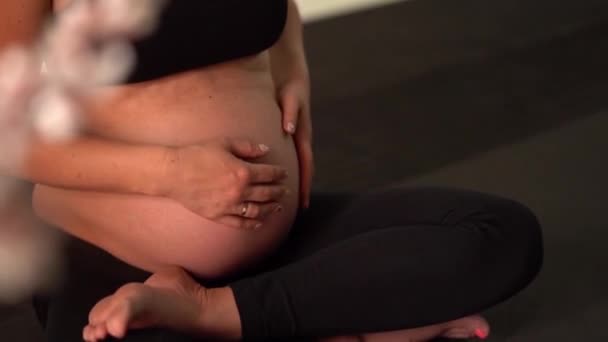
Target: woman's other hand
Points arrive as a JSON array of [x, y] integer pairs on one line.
[[291, 77], [214, 181], [294, 99]]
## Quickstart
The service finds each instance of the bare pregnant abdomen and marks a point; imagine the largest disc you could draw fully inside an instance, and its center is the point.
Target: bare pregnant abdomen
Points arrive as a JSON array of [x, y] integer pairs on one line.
[[150, 232]]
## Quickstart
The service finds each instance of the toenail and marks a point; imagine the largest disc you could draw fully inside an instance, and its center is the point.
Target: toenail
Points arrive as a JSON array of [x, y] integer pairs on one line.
[[480, 334]]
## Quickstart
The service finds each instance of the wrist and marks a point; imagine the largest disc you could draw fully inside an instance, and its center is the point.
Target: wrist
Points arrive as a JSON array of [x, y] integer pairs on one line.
[[300, 72], [163, 172], [289, 66], [297, 65], [293, 76]]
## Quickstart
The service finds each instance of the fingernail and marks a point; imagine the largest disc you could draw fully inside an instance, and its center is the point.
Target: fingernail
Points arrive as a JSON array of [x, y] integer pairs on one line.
[[264, 148], [291, 128], [480, 334]]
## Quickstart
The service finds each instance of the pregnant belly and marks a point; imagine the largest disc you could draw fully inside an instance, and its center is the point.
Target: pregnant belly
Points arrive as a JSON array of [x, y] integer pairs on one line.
[[150, 232]]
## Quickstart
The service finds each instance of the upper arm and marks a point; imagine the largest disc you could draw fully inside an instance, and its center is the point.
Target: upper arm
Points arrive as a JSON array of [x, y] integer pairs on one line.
[[21, 20]]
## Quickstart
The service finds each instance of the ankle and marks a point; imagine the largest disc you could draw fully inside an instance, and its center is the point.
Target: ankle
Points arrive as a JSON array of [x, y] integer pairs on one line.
[[220, 316]]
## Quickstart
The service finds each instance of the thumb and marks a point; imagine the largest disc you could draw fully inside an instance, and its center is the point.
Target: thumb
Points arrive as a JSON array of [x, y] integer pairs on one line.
[[244, 148], [290, 108]]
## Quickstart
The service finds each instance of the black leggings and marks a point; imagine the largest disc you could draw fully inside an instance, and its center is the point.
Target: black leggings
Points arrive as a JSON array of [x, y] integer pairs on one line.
[[391, 259]]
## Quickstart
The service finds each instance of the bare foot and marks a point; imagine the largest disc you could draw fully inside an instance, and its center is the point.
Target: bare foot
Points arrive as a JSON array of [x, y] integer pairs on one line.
[[468, 327], [170, 299], [173, 300]]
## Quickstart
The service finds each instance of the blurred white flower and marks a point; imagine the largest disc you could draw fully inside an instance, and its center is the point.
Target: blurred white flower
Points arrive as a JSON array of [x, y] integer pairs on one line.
[[114, 62], [16, 64], [12, 147], [54, 115], [89, 44], [18, 79], [85, 46], [29, 259], [134, 18], [17, 82]]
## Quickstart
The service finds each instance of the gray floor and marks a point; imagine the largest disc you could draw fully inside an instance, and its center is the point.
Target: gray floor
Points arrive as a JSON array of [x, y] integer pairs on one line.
[[504, 97]]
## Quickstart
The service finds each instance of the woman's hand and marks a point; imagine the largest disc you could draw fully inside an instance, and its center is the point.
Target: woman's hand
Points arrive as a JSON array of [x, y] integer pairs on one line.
[[214, 181], [291, 77], [294, 99]]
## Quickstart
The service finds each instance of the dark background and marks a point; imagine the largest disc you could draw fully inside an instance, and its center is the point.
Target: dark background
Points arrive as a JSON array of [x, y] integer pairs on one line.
[[507, 97]]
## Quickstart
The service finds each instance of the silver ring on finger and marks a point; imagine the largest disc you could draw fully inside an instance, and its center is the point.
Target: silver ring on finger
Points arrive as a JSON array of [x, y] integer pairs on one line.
[[245, 209]]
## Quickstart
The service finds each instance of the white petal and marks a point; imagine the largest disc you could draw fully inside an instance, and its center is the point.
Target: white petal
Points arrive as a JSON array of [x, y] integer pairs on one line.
[[12, 145], [29, 259], [135, 17], [55, 115], [18, 72], [114, 62]]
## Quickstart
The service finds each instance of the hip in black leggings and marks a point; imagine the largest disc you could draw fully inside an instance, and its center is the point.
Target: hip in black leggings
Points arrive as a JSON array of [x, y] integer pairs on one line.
[[387, 260]]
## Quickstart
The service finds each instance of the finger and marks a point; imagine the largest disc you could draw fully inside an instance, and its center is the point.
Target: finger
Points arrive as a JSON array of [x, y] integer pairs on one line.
[[264, 193], [306, 172], [290, 108], [244, 148], [240, 222], [256, 211], [262, 173]]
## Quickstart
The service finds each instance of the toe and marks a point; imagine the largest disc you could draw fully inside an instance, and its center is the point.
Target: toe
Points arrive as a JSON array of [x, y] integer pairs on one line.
[[481, 334], [481, 327], [118, 321], [86, 333], [99, 332], [101, 310], [468, 327]]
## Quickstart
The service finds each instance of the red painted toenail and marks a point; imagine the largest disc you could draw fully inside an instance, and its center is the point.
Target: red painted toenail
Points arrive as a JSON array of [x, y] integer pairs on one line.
[[480, 334]]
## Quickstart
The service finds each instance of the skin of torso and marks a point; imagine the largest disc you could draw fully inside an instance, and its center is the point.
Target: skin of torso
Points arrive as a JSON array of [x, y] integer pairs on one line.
[[232, 99]]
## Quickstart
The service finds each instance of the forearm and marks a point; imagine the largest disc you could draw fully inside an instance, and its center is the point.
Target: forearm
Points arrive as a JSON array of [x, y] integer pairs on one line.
[[95, 164], [288, 56], [85, 163]]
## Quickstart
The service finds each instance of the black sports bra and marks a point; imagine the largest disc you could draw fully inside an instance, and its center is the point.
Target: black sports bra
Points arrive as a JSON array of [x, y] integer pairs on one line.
[[198, 33]]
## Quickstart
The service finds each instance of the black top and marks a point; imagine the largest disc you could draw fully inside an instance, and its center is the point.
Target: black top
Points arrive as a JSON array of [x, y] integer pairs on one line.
[[197, 33]]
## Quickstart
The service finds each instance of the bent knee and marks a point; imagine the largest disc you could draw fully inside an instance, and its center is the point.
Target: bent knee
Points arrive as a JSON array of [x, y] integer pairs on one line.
[[520, 243], [521, 228]]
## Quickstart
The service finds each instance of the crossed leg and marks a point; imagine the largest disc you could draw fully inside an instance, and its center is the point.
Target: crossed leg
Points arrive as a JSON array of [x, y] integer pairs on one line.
[[172, 299]]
